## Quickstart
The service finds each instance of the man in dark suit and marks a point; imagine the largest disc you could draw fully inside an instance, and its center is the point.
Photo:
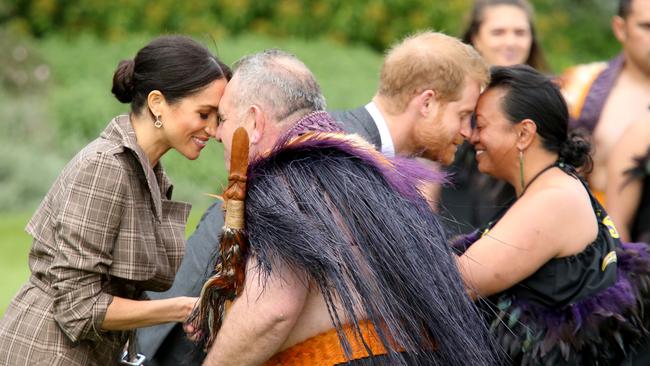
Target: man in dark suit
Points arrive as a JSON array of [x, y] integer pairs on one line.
[[167, 344], [428, 88]]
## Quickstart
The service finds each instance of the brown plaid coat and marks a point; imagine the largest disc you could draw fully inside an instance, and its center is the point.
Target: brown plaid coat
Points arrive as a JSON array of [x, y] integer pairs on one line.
[[106, 227]]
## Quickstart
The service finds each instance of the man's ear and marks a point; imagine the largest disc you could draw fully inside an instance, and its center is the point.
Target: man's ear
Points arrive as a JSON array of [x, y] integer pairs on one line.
[[427, 102], [156, 102], [259, 123], [526, 133], [618, 27]]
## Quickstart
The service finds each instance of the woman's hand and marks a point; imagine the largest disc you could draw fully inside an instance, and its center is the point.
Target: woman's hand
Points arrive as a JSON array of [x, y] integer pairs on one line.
[[185, 307], [124, 314]]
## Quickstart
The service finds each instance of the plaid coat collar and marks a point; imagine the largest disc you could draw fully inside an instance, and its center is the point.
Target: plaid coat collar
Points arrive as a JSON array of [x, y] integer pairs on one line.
[[121, 130]]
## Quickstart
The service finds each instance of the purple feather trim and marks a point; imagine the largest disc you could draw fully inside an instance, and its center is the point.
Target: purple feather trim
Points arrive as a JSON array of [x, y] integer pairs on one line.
[[602, 327], [634, 258], [318, 131], [567, 321], [462, 242], [319, 121]]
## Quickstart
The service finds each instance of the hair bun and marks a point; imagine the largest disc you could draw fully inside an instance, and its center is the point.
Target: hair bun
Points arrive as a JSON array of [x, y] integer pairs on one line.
[[123, 81], [576, 149]]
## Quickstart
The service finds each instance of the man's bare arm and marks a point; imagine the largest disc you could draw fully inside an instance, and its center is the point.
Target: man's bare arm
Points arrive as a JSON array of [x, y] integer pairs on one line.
[[260, 320]]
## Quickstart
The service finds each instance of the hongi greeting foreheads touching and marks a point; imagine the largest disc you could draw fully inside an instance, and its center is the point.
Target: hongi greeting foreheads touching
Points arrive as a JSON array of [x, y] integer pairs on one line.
[[353, 226]]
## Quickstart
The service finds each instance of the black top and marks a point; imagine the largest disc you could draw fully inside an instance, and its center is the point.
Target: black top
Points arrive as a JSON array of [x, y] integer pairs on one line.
[[565, 280], [584, 309]]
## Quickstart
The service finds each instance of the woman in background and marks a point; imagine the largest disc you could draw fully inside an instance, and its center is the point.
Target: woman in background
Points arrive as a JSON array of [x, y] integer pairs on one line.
[[108, 230], [557, 284], [504, 34]]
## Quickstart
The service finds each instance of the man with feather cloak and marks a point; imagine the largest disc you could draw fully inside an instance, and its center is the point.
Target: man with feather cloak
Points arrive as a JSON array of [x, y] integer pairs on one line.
[[330, 253]]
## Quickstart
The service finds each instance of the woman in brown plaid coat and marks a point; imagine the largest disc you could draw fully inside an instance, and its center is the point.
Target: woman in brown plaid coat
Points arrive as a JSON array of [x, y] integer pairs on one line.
[[108, 230]]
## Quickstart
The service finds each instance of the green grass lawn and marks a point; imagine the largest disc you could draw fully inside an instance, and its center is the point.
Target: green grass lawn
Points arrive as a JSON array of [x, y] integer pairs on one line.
[[14, 246]]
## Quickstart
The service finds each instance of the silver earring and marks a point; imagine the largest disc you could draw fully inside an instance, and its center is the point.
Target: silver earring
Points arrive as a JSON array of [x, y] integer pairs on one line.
[[158, 122]]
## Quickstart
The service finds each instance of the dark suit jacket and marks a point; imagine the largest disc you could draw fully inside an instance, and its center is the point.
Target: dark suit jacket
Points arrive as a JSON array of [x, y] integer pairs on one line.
[[167, 344], [359, 121]]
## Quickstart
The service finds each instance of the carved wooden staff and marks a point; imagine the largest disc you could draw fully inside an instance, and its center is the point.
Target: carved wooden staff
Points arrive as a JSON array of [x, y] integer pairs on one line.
[[228, 279]]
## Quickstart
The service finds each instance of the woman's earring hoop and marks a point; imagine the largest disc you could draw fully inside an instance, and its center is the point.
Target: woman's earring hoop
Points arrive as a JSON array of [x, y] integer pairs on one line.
[[158, 122]]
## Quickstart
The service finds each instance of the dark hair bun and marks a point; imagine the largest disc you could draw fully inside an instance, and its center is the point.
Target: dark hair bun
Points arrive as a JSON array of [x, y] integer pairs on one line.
[[123, 81], [576, 149]]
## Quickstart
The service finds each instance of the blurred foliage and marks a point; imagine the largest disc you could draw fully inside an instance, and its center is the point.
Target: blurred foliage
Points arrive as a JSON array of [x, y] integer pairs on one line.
[[22, 68], [26, 176], [576, 31], [571, 30], [31, 158]]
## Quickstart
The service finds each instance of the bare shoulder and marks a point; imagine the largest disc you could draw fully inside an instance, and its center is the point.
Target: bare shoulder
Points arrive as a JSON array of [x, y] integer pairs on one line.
[[560, 193], [563, 214], [561, 202], [532, 217]]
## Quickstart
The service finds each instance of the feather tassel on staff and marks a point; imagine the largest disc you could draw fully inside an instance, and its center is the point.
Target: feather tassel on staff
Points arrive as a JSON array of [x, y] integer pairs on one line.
[[228, 279]]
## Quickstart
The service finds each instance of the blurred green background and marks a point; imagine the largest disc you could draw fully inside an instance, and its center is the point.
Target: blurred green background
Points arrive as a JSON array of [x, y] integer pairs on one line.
[[58, 58]]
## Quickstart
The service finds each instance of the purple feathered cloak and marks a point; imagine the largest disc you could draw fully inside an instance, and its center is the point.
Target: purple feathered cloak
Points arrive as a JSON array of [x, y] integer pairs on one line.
[[354, 223]]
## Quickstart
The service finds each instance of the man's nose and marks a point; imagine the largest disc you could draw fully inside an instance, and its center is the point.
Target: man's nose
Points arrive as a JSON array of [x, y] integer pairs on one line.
[[211, 128], [466, 129], [217, 132], [473, 137]]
